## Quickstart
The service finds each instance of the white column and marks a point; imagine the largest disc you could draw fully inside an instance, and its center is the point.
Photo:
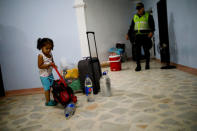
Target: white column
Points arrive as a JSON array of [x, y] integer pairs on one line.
[[82, 28]]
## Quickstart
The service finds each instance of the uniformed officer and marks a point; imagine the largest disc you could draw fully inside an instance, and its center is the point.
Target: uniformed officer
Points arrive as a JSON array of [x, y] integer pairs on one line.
[[141, 32]]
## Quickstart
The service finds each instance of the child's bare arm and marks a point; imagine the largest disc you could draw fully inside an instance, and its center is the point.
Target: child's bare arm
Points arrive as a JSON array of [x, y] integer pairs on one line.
[[54, 63], [41, 64]]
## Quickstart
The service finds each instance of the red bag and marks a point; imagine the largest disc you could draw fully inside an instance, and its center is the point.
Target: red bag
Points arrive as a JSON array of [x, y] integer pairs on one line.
[[62, 93]]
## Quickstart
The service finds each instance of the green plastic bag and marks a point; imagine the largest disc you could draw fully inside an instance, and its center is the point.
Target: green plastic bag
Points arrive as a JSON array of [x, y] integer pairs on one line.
[[75, 85]]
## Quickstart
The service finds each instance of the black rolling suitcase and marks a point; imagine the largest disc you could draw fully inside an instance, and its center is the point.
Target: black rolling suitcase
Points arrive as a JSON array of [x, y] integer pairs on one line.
[[90, 66]]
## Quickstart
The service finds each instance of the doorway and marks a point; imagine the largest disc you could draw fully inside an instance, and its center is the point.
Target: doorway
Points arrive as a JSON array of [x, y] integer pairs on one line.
[[163, 31], [2, 91]]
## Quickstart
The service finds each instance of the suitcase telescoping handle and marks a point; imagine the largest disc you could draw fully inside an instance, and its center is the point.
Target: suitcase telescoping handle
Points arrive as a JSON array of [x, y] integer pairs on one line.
[[92, 67], [61, 78], [91, 32]]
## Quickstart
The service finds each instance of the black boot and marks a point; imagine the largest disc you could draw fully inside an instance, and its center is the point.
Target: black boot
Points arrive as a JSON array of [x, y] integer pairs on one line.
[[147, 67], [138, 68]]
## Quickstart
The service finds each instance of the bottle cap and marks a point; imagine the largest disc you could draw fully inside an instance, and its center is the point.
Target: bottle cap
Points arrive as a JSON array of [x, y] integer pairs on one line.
[[105, 73], [71, 105], [67, 115]]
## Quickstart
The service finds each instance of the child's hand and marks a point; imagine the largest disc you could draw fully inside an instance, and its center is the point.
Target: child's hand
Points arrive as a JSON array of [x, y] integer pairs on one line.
[[53, 64]]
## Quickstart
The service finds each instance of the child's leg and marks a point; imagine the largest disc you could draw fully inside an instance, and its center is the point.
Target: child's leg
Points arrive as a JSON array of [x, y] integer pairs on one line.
[[47, 95], [51, 80], [46, 84], [48, 101]]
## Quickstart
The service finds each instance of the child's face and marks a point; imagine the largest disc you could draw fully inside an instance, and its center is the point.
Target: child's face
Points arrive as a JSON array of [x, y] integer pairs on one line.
[[47, 49]]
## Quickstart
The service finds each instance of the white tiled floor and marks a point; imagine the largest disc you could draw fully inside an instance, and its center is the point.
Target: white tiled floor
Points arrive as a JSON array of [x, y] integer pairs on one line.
[[150, 100]]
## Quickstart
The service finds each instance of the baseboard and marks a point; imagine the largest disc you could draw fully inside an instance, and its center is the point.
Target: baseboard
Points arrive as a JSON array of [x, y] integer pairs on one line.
[[182, 67], [24, 92], [104, 64]]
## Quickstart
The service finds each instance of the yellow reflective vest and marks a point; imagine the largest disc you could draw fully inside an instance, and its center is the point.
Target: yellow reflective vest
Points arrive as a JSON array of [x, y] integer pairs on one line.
[[141, 23]]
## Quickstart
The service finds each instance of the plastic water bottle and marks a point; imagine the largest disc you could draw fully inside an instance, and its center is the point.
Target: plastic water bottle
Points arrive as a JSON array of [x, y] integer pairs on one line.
[[105, 84], [89, 89], [70, 110]]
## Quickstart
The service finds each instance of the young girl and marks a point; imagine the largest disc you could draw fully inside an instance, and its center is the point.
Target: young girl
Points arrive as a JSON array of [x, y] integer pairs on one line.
[[45, 61]]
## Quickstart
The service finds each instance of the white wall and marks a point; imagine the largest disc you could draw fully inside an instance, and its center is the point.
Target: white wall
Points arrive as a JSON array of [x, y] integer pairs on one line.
[[22, 22], [110, 20], [82, 27], [182, 30]]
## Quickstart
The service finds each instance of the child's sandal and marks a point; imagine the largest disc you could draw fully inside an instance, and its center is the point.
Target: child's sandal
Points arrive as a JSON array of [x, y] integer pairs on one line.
[[50, 103], [54, 102]]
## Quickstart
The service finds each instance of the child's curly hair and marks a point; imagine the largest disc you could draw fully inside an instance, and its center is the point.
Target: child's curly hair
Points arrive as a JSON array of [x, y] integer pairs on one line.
[[43, 41]]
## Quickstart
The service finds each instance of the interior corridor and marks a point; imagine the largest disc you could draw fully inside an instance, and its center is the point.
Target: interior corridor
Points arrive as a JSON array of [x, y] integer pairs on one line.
[[151, 100]]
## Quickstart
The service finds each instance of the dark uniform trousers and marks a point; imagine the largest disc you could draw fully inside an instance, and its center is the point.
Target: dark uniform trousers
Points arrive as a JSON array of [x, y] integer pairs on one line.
[[145, 42]]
